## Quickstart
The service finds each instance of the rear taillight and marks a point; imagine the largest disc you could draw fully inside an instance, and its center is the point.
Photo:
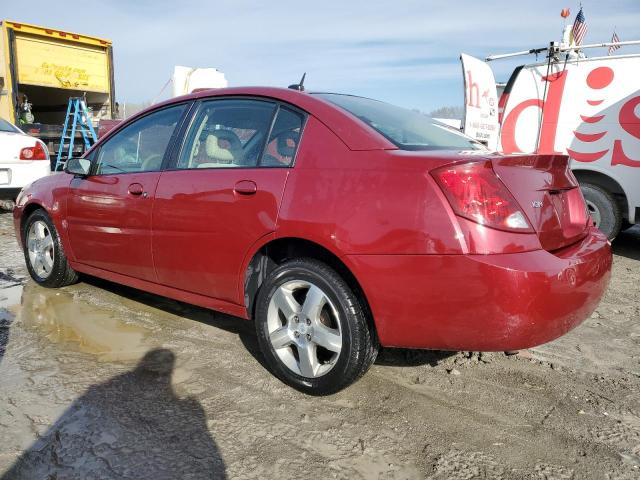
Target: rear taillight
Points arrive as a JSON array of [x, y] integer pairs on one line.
[[36, 152], [475, 192]]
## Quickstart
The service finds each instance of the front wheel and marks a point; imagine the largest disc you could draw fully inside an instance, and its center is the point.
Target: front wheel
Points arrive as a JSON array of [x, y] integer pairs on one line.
[[43, 252], [312, 328]]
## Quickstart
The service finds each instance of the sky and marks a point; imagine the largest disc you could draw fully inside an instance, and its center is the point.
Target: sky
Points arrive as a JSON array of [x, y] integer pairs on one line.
[[404, 51]]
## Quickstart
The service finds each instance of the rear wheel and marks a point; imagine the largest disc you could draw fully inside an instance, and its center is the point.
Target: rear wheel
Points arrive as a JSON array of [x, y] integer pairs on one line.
[[43, 252], [603, 208], [312, 328]]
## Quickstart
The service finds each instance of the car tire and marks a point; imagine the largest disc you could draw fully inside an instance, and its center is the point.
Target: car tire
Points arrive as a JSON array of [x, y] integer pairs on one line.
[[44, 254], [603, 208], [304, 312]]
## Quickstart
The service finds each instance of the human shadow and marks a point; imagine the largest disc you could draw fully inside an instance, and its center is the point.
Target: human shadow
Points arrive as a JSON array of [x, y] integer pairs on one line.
[[132, 426]]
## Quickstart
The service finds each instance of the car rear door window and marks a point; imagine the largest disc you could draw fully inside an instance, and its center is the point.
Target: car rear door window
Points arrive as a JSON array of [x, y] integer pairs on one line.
[[407, 129], [284, 139], [141, 146], [227, 134]]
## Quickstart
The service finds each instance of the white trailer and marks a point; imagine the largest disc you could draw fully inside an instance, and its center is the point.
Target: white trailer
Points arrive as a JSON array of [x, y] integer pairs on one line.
[[187, 79]]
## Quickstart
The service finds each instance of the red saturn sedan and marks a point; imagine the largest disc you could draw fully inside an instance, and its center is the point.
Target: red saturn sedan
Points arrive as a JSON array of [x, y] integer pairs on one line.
[[338, 224]]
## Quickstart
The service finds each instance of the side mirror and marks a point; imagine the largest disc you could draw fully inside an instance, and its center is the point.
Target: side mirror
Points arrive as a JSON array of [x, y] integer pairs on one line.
[[78, 166]]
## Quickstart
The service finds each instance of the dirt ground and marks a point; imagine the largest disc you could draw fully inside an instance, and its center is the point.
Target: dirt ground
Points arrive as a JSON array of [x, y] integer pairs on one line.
[[102, 381]]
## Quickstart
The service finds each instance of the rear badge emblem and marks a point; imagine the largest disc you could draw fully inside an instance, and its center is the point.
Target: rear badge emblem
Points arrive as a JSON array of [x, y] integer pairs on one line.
[[536, 204]]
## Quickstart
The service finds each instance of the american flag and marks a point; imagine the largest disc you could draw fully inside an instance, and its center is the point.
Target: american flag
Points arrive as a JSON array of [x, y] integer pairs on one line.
[[579, 28], [614, 38]]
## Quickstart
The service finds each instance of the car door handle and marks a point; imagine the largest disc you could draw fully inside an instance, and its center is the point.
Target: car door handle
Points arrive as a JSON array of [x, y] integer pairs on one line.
[[245, 187], [137, 189]]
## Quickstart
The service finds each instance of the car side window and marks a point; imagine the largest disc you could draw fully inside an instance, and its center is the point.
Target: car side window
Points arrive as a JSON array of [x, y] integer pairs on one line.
[[227, 134], [140, 147], [284, 139]]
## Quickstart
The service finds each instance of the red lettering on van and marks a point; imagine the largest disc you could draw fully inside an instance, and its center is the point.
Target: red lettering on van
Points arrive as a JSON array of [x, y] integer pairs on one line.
[[630, 123], [550, 113]]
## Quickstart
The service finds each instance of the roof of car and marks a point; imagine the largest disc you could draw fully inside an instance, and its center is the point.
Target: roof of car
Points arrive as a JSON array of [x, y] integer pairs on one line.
[[354, 133]]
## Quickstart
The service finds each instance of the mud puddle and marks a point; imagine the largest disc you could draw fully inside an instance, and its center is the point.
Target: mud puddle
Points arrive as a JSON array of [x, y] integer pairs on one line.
[[59, 317]]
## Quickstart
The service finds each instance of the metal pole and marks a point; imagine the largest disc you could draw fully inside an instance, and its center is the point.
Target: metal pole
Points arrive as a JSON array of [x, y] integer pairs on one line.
[[517, 54], [597, 45], [561, 49]]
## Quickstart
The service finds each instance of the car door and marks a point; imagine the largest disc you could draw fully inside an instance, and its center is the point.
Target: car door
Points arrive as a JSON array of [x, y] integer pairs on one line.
[[222, 193], [109, 211]]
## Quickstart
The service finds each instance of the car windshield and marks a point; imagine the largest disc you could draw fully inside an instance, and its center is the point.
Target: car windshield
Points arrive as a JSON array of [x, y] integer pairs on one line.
[[8, 127], [407, 129]]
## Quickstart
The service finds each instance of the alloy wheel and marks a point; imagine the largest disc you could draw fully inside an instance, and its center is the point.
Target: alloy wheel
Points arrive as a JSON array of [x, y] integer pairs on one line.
[[304, 328], [41, 249]]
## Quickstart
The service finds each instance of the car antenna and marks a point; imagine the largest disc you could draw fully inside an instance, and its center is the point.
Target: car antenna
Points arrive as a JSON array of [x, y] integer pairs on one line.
[[299, 86]]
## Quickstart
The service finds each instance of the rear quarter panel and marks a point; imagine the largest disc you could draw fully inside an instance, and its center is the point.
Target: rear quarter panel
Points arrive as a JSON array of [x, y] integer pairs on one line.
[[365, 202]]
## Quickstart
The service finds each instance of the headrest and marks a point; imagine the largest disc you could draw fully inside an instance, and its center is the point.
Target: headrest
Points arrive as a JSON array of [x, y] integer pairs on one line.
[[287, 142], [223, 146]]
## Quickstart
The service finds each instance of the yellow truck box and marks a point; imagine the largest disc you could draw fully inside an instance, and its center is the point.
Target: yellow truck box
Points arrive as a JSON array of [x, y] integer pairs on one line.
[[41, 67]]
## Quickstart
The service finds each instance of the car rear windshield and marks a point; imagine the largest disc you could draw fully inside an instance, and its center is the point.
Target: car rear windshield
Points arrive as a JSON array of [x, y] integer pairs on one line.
[[407, 129], [7, 127]]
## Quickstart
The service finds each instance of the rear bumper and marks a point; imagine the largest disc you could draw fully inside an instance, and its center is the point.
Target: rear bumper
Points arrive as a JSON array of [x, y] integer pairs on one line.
[[484, 302], [15, 175]]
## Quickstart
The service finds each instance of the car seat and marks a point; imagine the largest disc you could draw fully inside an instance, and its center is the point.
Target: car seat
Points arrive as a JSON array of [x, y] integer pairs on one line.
[[217, 153]]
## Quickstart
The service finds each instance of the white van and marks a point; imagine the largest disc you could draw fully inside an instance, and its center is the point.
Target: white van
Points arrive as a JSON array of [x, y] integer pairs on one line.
[[587, 108]]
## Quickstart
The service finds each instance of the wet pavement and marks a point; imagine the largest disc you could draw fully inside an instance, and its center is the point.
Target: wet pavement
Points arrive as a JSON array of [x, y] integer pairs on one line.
[[103, 381]]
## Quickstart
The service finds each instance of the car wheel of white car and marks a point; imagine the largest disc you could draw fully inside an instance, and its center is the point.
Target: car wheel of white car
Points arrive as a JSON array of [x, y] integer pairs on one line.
[[43, 252], [312, 328], [603, 208]]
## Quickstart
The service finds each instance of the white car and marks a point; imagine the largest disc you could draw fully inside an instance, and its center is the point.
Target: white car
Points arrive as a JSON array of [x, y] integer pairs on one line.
[[23, 159]]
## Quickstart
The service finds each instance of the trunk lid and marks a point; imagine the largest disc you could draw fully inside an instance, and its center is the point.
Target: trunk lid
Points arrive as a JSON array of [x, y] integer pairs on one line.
[[548, 194]]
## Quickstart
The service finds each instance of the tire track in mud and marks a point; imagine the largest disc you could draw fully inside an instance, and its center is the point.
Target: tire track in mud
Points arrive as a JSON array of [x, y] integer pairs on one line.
[[504, 431]]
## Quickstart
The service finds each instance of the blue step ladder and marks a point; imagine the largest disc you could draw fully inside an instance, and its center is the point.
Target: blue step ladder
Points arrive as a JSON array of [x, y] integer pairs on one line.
[[77, 120]]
